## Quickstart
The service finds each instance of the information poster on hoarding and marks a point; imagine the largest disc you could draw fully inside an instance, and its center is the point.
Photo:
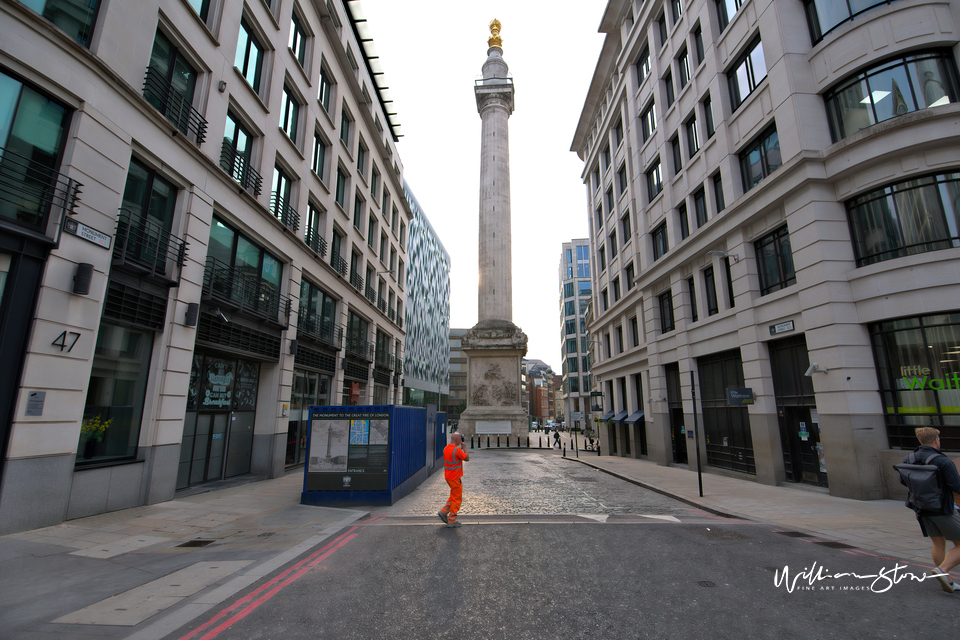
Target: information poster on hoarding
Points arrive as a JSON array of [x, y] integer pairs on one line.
[[349, 451]]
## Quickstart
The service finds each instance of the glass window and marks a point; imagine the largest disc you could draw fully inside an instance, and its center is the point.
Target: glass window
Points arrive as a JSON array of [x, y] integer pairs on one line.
[[259, 283], [700, 207], [676, 7], [583, 288], [616, 288], [648, 121], [760, 159], [718, 192], [318, 311], [662, 28], [635, 331], [726, 9], [693, 136], [622, 179], [298, 39], [906, 218], [249, 58], [630, 276], [606, 299], [290, 114], [823, 16], [568, 290], [654, 180], [710, 292], [345, 127], [747, 72], [341, 195], [326, 88], [726, 267], [618, 132], [358, 204], [362, 158], [668, 88], [677, 158], [698, 43], [602, 258], [110, 429], [32, 130], [660, 242], [684, 223], [775, 261], [890, 89], [683, 67], [75, 17], [691, 291], [643, 65], [666, 312], [708, 115], [320, 148], [235, 153], [146, 213]]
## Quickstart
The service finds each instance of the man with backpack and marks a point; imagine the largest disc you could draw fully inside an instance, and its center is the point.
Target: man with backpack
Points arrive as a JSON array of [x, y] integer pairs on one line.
[[940, 524]]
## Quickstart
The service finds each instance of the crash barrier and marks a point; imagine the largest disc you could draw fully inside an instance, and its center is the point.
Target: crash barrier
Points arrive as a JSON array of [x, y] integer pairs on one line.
[[477, 442]]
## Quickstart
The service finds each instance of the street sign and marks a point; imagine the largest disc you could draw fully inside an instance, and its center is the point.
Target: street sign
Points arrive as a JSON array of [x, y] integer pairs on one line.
[[596, 393]]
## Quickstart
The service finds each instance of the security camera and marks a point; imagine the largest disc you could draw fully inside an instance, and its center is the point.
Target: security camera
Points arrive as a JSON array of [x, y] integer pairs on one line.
[[814, 368]]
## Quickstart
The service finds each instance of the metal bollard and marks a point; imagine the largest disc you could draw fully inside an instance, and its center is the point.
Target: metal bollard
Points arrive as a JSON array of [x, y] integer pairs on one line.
[[528, 442], [471, 442], [488, 442], [564, 450], [598, 448], [498, 442]]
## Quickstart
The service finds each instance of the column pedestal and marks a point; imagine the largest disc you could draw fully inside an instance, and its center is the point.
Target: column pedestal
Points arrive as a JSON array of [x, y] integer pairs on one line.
[[494, 349]]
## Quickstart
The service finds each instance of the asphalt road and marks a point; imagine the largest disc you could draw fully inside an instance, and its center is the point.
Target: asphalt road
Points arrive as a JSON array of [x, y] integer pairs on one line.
[[552, 549]]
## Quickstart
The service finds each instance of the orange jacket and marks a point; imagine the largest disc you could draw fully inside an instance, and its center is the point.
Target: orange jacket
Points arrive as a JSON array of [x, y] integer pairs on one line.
[[453, 462]]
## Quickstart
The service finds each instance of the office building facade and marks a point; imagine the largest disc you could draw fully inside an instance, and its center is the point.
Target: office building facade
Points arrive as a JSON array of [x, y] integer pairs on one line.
[[575, 293], [773, 206]]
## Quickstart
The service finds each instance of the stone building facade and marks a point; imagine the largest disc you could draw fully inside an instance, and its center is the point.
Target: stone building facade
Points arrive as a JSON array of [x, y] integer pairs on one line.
[[774, 203], [231, 258]]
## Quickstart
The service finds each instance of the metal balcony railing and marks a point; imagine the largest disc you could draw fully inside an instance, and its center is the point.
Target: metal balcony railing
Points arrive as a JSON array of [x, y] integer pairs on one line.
[[238, 168], [174, 105], [144, 246], [390, 314], [399, 320], [382, 304], [356, 280], [359, 347], [371, 294], [320, 329], [316, 242], [245, 293], [384, 359], [339, 264], [32, 194], [284, 212]]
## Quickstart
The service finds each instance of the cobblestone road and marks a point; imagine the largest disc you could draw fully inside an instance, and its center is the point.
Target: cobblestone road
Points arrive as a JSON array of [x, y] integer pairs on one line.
[[535, 482]]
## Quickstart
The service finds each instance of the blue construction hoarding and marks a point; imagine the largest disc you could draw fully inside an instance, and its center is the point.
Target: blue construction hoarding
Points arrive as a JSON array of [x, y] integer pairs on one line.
[[369, 455]]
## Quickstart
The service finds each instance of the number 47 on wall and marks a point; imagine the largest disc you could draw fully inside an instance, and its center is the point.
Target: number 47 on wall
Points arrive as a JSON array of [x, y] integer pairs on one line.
[[64, 338]]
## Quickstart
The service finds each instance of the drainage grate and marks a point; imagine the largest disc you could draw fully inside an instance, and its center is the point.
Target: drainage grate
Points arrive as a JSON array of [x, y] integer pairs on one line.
[[584, 479], [716, 534], [706, 583], [794, 534], [835, 545], [196, 543]]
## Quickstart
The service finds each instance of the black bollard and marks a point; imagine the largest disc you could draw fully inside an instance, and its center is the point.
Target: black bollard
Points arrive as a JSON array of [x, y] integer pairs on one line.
[[598, 448], [528, 442], [488, 442], [471, 442], [564, 450], [498, 442]]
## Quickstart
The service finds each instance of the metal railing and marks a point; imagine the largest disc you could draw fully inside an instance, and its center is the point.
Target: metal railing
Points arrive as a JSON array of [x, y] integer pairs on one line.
[[356, 280], [245, 292], [31, 193], [357, 346], [174, 105], [390, 314], [283, 212], [316, 242], [312, 325], [234, 163], [143, 245], [384, 359], [382, 304], [339, 264], [399, 320], [371, 294]]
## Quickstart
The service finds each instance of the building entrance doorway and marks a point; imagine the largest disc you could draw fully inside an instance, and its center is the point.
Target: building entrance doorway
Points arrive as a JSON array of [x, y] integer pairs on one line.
[[678, 434], [803, 458], [218, 425]]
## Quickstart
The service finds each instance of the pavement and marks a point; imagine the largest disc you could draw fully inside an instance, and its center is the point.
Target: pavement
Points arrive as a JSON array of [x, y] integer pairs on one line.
[[264, 519]]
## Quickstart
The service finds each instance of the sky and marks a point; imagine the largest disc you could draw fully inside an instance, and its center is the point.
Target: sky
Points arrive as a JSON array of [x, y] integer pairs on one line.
[[431, 52]]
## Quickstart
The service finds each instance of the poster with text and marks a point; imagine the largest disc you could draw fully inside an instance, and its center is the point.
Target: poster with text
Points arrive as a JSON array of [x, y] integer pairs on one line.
[[349, 451]]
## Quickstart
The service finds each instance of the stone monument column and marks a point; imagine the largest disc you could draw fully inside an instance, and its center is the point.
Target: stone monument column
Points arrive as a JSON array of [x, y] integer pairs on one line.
[[494, 346]]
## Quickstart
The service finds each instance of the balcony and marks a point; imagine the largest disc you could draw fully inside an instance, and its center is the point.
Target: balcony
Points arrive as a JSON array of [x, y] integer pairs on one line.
[[234, 163], [245, 293], [313, 326], [382, 305], [399, 320], [384, 360], [283, 212], [34, 195], [356, 280], [144, 247], [390, 314], [316, 242], [371, 294], [360, 348], [339, 264], [174, 105]]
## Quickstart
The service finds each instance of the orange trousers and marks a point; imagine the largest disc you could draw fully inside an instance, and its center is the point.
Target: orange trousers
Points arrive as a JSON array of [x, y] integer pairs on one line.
[[455, 500]]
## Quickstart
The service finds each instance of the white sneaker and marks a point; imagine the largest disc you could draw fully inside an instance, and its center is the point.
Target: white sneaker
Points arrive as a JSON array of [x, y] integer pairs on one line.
[[945, 583]]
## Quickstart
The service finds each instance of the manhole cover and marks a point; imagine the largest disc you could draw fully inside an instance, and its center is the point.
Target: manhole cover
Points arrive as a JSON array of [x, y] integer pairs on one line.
[[795, 534], [717, 534], [196, 543], [706, 583], [835, 545]]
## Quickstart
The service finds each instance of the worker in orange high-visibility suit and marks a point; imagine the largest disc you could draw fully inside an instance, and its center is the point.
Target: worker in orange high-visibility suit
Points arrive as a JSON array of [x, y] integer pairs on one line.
[[453, 458]]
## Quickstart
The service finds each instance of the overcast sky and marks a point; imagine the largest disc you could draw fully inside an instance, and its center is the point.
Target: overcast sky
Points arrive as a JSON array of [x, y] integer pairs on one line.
[[431, 53]]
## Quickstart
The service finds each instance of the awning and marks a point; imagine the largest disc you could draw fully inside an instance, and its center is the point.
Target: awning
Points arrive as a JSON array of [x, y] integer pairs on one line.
[[635, 417], [620, 416], [606, 416]]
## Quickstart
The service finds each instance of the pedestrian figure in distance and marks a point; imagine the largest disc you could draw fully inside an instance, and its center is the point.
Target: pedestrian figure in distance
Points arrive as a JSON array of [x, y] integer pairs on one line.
[[945, 524], [556, 439], [453, 457]]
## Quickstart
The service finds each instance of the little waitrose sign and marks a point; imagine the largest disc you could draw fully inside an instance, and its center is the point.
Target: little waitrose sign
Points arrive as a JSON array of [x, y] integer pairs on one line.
[[920, 380]]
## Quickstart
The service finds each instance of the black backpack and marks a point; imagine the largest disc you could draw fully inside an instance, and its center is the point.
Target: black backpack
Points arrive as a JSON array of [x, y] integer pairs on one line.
[[923, 483]]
